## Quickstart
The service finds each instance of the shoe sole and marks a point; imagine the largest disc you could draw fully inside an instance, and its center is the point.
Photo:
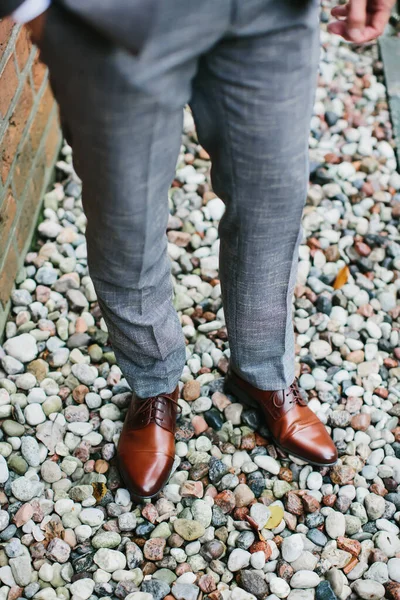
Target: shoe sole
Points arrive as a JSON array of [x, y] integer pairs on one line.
[[247, 400]]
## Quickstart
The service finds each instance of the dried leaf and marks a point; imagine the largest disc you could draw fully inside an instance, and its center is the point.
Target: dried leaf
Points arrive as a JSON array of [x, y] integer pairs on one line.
[[253, 524], [53, 529], [99, 490], [341, 278], [275, 518]]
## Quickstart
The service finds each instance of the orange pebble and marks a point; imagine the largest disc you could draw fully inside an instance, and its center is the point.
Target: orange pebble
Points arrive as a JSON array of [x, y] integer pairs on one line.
[[101, 466]]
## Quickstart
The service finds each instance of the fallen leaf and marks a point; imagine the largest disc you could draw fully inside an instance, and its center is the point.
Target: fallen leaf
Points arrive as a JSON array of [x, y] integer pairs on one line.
[[275, 518], [99, 490], [342, 277], [53, 529]]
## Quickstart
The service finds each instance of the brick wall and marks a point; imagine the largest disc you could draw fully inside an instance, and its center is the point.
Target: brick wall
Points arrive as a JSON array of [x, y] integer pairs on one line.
[[29, 142]]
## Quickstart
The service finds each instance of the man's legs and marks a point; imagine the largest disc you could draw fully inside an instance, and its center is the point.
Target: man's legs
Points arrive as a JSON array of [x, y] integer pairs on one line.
[[123, 117], [252, 104], [125, 147]]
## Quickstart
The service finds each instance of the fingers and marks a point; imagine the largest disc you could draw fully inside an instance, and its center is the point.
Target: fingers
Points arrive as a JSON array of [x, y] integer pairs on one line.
[[356, 20], [340, 11], [356, 24], [338, 27], [352, 21], [378, 20]]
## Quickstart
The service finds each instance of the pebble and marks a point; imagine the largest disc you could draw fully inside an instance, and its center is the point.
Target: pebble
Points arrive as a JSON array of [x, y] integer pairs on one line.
[[279, 587], [335, 525], [261, 514], [21, 569], [109, 560], [314, 481], [25, 489], [22, 347], [369, 590], [189, 530], [34, 414], [320, 349], [304, 579], [238, 559], [185, 591], [157, 589], [394, 569], [292, 547], [58, 550], [50, 471], [91, 516], [267, 463], [243, 495], [4, 472], [83, 588], [375, 506], [30, 450]]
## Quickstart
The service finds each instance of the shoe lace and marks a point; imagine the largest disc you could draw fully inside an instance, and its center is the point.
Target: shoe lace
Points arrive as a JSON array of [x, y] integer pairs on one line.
[[153, 403], [294, 395]]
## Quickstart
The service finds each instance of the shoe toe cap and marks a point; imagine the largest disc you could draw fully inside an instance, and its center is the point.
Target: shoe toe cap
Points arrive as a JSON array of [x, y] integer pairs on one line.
[[316, 446], [325, 455], [146, 473]]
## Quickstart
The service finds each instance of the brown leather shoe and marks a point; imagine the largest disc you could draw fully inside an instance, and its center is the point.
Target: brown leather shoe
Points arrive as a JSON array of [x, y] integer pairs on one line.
[[146, 448], [293, 426]]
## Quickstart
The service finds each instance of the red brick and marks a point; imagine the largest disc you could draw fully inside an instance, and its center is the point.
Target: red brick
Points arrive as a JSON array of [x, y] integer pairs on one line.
[[6, 156], [7, 215], [6, 26], [39, 72], [23, 48], [8, 85], [24, 106], [53, 140], [23, 167], [41, 118], [7, 275], [32, 200], [20, 158], [39, 174], [15, 130]]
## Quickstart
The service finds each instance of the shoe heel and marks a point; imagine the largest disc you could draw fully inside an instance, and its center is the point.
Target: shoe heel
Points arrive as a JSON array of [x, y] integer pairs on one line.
[[240, 395]]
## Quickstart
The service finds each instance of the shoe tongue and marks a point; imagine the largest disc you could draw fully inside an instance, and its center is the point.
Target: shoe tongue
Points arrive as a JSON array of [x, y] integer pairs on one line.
[[147, 407], [155, 405]]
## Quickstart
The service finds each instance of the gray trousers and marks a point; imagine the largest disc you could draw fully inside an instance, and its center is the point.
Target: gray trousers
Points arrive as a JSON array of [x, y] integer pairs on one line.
[[248, 69]]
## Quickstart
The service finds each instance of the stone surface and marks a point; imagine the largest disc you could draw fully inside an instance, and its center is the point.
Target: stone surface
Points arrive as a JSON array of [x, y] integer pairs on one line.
[[292, 547]]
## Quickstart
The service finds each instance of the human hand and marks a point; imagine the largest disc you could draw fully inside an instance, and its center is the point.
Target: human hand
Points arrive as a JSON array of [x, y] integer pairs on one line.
[[360, 21], [36, 27]]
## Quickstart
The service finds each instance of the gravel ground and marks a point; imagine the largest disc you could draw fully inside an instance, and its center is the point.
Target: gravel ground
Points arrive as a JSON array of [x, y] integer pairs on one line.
[[238, 520]]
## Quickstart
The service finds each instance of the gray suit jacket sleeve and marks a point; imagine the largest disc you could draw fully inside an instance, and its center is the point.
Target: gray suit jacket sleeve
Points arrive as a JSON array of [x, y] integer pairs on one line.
[[126, 22], [8, 6]]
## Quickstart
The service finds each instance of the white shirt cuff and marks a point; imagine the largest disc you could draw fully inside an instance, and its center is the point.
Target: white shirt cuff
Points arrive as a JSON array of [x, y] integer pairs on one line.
[[30, 9]]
